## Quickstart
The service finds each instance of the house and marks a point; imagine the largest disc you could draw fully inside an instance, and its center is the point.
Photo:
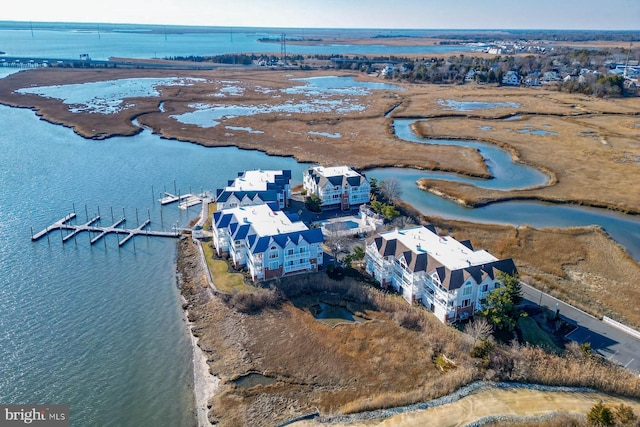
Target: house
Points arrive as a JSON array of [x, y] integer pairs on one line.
[[532, 79], [512, 78], [337, 187], [551, 76], [270, 244], [256, 187], [447, 276]]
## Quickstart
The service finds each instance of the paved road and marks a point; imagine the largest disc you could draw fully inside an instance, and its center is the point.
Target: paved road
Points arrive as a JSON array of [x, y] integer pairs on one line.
[[608, 341]]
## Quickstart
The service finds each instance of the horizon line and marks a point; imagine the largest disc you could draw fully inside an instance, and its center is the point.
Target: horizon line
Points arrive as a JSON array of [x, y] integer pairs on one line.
[[31, 23]]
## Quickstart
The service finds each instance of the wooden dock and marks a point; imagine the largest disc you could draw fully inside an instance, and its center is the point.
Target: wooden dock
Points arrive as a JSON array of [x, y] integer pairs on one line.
[[140, 230]]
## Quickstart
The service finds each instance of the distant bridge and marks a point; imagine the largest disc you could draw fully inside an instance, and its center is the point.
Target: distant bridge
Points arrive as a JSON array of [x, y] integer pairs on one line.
[[85, 62]]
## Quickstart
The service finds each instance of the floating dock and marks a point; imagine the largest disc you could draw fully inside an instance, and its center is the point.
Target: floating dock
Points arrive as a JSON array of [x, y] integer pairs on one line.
[[186, 200], [63, 224]]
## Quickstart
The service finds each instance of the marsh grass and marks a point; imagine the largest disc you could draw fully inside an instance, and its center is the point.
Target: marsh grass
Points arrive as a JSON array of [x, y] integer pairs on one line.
[[379, 363]]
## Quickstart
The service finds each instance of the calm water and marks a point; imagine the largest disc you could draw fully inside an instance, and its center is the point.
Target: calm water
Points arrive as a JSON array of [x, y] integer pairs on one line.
[[96, 326], [100, 327], [625, 229], [69, 41]]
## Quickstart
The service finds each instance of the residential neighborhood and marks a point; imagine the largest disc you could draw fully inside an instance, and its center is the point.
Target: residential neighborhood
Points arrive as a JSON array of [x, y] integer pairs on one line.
[[448, 277]]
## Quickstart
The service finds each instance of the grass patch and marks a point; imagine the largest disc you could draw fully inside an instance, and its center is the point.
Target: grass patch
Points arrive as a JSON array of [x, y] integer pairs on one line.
[[211, 209], [223, 280], [534, 335]]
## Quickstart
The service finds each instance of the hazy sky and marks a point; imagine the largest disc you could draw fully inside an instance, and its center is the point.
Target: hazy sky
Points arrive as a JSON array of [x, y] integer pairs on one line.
[[419, 14]]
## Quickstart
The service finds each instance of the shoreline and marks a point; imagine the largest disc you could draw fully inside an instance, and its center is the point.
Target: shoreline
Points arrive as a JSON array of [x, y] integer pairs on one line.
[[205, 384]]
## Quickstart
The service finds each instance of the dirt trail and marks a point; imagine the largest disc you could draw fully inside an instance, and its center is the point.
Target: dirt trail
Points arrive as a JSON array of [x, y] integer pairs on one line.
[[491, 402]]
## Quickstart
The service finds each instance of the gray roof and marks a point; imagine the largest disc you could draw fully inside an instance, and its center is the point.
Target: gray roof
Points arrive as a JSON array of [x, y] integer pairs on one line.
[[451, 279]]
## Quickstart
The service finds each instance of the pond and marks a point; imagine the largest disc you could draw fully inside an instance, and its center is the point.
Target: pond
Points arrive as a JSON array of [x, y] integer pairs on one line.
[[328, 94], [334, 314], [532, 131], [450, 104], [253, 379]]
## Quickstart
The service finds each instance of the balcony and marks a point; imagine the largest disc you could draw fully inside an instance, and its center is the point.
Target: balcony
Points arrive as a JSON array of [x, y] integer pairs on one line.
[[296, 256], [297, 267]]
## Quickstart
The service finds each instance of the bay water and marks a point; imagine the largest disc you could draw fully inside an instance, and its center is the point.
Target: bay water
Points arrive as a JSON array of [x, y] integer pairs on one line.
[[103, 41], [99, 327]]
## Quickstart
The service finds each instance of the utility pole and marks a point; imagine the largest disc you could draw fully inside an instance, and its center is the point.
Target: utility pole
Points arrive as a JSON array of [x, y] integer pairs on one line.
[[283, 48]]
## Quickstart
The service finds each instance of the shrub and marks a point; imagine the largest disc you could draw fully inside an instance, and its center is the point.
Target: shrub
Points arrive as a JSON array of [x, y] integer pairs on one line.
[[482, 350], [254, 302], [600, 415], [409, 319]]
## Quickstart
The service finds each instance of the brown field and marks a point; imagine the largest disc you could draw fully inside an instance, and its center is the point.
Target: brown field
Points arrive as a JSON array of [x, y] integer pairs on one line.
[[593, 135], [392, 359], [432, 41], [592, 159]]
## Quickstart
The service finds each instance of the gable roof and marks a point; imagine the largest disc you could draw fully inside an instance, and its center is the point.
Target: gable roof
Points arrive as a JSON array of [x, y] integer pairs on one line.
[[336, 176], [452, 261]]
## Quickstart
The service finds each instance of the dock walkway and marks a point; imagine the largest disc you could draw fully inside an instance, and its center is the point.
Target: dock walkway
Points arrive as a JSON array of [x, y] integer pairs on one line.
[[186, 200], [140, 230]]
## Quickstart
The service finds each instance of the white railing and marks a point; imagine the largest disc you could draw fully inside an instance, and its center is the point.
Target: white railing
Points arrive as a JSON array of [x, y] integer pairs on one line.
[[297, 267], [621, 326]]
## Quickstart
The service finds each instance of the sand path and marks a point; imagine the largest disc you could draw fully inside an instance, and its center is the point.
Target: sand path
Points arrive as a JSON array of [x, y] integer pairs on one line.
[[491, 402]]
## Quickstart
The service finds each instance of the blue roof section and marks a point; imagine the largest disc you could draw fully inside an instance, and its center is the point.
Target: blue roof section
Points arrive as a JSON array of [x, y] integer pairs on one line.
[[293, 217], [265, 196], [314, 235], [261, 244], [221, 219], [241, 232], [233, 227]]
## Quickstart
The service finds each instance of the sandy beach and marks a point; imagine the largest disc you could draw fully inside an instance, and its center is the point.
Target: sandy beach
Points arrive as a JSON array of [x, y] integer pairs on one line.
[[204, 384]]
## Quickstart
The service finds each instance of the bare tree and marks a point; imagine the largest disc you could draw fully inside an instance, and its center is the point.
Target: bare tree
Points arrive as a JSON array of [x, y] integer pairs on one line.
[[402, 222], [390, 189], [336, 239], [479, 329]]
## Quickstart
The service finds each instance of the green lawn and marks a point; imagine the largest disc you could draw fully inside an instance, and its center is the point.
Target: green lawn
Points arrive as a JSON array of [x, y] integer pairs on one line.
[[222, 279], [532, 334]]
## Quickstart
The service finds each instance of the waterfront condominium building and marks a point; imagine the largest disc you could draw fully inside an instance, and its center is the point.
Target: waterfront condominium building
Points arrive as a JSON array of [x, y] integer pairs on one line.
[[269, 243], [256, 187], [337, 187], [447, 276]]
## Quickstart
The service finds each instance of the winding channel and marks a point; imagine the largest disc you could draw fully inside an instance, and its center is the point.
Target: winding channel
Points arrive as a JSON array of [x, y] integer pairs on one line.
[[508, 175]]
